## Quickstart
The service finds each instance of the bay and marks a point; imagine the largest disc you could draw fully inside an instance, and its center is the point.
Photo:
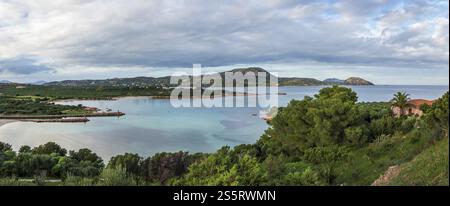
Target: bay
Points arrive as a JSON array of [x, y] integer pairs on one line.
[[154, 125]]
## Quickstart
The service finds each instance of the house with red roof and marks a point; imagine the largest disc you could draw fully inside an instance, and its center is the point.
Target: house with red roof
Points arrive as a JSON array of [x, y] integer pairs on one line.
[[413, 107]]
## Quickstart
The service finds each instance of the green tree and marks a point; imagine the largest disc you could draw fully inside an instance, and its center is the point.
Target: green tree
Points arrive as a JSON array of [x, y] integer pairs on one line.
[[306, 178], [164, 166], [249, 171], [356, 135], [437, 117], [86, 155], [41, 163], [342, 93], [326, 160], [49, 148], [275, 167], [25, 149], [385, 125], [219, 169], [65, 166], [4, 147], [131, 163], [316, 122], [24, 164]]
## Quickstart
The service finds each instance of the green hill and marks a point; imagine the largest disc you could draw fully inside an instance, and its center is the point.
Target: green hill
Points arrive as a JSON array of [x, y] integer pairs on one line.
[[357, 81], [295, 81]]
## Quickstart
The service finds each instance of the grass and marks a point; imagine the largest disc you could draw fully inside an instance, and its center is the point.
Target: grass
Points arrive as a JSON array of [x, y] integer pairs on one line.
[[33, 98], [428, 168], [14, 182], [370, 162]]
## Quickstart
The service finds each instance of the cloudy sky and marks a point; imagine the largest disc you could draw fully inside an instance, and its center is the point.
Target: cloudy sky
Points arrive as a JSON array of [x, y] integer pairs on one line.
[[385, 41]]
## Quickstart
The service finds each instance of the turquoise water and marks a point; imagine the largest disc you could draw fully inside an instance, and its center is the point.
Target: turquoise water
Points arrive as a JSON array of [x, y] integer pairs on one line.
[[152, 126]]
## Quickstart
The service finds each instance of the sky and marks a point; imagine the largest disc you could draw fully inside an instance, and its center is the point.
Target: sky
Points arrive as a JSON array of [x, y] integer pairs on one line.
[[383, 41]]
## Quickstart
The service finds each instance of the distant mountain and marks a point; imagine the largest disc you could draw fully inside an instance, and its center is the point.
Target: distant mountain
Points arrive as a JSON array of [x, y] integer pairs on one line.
[[249, 69], [357, 81], [32, 83], [5, 82], [255, 70], [116, 82], [165, 81], [334, 81], [140, 81], [349, 81], [38, 82], [295, 81]]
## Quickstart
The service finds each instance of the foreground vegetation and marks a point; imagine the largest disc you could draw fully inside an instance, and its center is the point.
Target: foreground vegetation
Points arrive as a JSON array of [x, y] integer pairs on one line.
[[328, 139]]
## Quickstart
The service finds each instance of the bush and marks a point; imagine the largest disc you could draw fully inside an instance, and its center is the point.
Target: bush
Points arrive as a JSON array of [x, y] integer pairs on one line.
[[116, 177]]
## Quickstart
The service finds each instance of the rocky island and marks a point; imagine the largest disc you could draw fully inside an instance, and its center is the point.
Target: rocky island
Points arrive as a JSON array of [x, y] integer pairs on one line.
[[357, 81]]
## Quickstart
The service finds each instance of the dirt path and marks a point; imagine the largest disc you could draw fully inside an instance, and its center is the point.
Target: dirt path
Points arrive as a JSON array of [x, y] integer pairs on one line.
[[384, 179]]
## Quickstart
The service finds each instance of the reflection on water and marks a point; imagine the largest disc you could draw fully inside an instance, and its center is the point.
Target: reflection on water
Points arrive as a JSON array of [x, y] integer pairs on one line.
[[152, 126]]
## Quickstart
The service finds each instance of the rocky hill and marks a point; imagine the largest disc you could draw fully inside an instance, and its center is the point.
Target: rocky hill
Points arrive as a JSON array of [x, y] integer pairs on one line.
[[357, 81], [334, 81], [296, 81]]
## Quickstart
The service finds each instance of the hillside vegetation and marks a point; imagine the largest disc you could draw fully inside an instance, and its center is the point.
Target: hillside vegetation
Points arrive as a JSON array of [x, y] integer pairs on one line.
[[428, 168]]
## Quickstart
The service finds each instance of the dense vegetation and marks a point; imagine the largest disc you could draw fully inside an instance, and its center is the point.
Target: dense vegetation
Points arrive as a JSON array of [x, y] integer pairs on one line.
[[28, 105], [75, 92], [328, 139]]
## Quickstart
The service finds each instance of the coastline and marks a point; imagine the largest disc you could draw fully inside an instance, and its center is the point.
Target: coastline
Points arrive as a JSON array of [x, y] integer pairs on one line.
[[55, 118], [158, 97], [238, 94], [108, 99], [62, 116]]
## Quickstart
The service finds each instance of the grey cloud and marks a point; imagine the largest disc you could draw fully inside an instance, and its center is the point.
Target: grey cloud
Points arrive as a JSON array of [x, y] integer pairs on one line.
[[218, 33], [22, 65]]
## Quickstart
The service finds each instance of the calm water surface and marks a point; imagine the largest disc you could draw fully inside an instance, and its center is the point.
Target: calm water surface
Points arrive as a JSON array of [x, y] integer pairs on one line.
[[152, 126]]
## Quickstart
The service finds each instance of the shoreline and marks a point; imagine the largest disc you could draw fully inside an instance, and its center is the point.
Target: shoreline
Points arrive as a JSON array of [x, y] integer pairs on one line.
[[161, 97], [55, 118], [26, 117]]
